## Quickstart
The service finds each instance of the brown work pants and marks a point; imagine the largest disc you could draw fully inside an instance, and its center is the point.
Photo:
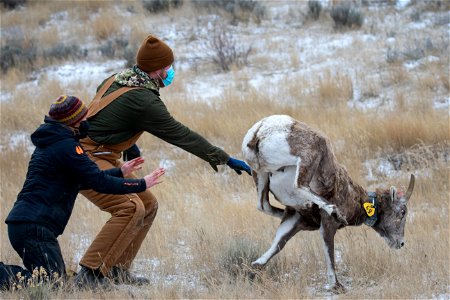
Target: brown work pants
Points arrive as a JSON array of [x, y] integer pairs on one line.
[[131, 218]]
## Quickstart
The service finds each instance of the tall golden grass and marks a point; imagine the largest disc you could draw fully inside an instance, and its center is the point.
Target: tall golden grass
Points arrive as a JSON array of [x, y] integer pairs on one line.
[[208, 221]]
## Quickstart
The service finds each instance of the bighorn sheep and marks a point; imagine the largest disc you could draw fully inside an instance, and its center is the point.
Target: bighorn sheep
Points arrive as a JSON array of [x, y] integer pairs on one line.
[[296, 164]]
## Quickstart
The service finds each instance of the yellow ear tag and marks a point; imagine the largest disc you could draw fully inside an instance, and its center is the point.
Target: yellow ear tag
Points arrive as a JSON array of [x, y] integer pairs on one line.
[[370, 209]]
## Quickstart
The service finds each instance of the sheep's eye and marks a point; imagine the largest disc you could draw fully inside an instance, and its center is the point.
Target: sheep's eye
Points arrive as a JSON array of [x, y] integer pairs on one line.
[[403, 212]]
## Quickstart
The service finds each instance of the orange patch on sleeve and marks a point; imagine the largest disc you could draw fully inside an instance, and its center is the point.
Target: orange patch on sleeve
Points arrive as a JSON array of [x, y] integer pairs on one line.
[[79, 150]]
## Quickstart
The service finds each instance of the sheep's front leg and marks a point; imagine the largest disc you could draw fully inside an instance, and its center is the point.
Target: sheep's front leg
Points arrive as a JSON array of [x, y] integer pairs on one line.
[[304, 175], [287, 229], [328, 228], [262, 188]]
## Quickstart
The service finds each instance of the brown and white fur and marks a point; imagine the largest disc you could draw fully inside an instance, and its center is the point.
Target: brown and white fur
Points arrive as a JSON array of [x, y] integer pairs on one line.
[[296, 164]]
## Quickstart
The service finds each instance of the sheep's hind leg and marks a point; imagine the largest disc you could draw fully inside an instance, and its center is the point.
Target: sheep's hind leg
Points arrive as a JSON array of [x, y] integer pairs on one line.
[[262, 182], [287, 229]]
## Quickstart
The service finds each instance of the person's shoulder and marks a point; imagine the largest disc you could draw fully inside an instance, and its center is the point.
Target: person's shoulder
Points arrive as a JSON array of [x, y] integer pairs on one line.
[[143, 95], [68, 146], [103, 82]]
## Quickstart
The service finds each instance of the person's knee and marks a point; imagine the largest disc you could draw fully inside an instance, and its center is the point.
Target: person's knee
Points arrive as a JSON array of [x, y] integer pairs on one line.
[[150, 204], [151, 208], [132, 209], [150, 212]]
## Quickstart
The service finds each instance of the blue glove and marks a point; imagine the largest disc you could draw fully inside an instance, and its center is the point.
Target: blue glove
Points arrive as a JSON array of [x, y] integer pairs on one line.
[[238, 166], [131, 153]]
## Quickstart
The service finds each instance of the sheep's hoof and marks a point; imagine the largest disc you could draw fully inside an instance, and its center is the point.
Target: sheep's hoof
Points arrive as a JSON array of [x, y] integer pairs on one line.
[[257, 265], [333, 211], [329, 209], [340, 217], [338, 288]]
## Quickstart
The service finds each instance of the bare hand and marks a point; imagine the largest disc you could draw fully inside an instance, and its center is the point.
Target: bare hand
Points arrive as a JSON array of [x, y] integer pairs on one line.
[[131, 166], [152, 178]]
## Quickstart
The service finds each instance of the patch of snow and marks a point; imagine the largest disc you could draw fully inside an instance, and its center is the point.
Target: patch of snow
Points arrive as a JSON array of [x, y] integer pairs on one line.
[[57, 18], [20, 138], [204, 90], [390, 40], [385, 167], [338, 255], [366, 105], [72, 75], [5, 96], [382, 167], [82, 243], [85, 73], [167, 164], [153, 269], [418, 25], [401, 4], [410, 65], [442, 104]]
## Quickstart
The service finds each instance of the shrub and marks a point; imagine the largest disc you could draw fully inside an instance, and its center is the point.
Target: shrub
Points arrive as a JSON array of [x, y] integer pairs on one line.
[[413, 51], [129, 55], [61, 51], [239, 10], [12, 4], [355, 17], [236, 260], [376, 3], [238, 256], [227, 52], [434, 6], [176, 3], [157, 6], [345, 15], [314, 9], [415, 16], [17, 54], [23, 53], [114, 47]]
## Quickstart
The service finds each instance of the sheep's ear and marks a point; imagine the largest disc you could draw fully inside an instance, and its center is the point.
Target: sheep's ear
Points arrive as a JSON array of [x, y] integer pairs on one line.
[[393, 193]]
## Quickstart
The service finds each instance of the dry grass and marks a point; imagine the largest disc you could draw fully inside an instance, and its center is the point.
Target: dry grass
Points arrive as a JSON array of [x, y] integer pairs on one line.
[[208, 229], [105, 25], [193, 198]]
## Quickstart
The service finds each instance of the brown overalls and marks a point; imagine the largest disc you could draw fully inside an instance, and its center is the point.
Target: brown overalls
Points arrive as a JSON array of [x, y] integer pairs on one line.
[[131, 215]]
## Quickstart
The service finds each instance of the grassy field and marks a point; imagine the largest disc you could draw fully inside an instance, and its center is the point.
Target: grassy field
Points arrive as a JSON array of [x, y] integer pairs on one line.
[[208, 229]]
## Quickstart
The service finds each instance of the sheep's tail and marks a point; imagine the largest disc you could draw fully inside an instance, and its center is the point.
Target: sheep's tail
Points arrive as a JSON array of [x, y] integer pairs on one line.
[[253, 146]]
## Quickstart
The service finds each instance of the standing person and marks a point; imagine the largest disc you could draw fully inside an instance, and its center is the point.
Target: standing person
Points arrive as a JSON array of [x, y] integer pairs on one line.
[[127, 104], [58, 168]]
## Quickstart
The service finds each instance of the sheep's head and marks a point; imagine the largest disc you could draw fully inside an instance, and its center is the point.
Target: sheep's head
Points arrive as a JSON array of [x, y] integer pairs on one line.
[[392, 215]]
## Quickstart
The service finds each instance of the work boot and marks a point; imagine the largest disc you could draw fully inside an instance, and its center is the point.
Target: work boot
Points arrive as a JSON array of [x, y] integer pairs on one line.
[[123, 276], [90, 279]]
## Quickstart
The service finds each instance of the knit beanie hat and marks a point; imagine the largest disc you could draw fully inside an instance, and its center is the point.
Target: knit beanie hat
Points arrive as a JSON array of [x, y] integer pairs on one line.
[[68, 110], [153, 55]]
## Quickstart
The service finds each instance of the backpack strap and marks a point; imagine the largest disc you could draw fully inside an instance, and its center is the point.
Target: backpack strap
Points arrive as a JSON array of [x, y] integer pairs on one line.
[[99, 102]]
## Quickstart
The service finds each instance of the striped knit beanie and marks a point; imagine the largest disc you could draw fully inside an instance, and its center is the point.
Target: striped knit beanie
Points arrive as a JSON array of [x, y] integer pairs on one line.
[[68, 110], [153, 55]]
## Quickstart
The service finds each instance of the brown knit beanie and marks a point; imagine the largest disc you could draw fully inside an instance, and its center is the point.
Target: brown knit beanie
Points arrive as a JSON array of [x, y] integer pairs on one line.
[[68, 110], [153, 55]]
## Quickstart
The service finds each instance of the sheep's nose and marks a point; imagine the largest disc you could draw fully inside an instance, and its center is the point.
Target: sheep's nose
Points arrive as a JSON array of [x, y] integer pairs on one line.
[[399, 244]]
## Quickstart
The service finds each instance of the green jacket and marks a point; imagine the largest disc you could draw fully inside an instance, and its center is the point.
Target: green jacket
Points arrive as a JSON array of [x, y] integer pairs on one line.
[[142, 110]]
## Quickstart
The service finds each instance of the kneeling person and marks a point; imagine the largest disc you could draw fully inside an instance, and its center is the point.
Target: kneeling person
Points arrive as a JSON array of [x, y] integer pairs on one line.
[[58, 169]]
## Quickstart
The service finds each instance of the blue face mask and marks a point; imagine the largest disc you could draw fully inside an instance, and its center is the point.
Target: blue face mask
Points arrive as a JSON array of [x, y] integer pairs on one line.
[[170, 75]]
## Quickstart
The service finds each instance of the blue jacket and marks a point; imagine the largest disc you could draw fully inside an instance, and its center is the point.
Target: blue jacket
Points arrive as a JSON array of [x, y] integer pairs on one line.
[[58, 169]]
